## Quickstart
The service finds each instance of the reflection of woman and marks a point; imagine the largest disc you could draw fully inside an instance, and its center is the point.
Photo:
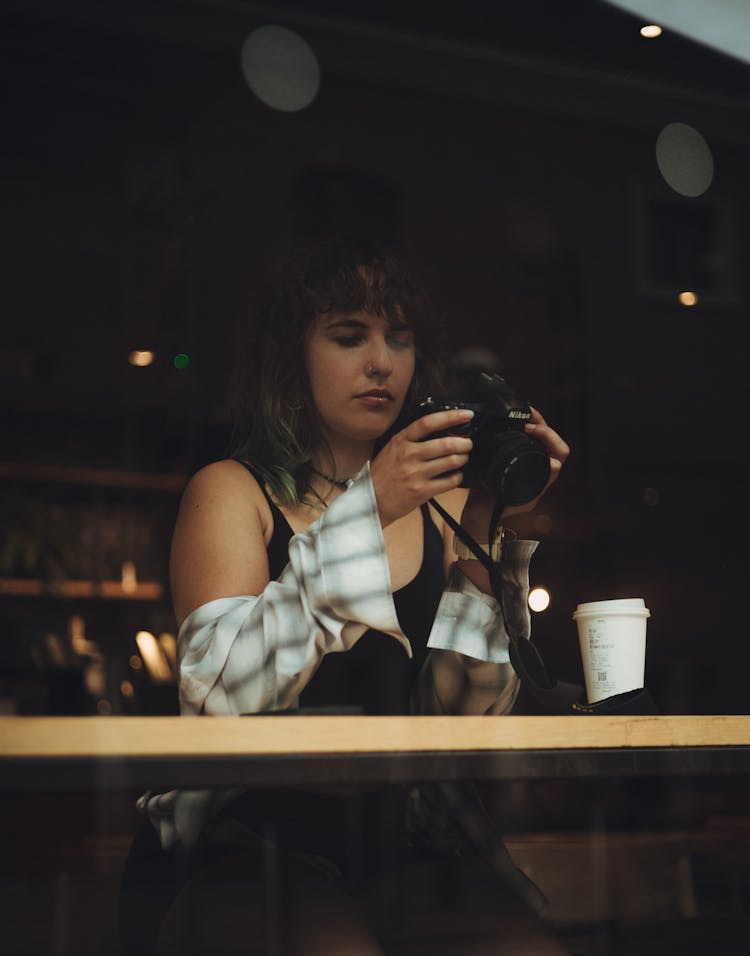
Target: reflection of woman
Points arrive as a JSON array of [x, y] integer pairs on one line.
[[310, 570]]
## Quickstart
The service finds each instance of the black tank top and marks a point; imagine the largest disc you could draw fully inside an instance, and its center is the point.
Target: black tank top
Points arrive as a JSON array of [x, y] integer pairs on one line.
[[363, 832], [376, 675]]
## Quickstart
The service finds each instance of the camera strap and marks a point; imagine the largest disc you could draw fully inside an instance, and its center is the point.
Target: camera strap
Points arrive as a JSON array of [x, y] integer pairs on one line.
[[556, 697], [549, 695], [467, 539]]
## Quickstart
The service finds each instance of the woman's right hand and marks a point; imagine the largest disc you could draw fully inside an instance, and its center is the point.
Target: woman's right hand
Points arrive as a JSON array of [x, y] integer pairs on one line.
[[413, 467]]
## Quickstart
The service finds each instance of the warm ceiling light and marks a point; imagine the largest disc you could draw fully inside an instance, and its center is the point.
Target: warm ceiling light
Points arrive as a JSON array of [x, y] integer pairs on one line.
[[688, 298], [650, 31], [140, 358]]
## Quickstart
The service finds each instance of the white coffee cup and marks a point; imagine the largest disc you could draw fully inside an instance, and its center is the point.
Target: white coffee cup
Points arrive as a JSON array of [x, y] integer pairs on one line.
[[612, 635]]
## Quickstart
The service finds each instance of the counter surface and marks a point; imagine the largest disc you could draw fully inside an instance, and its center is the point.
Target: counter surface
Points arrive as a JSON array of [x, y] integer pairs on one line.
[[46, 753]]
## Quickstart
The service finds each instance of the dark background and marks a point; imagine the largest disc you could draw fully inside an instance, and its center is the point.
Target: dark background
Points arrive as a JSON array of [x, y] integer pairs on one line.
[[509, 151]]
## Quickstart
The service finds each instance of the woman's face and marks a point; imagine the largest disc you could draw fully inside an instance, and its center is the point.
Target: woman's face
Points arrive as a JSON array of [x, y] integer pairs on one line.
[[359, 367]]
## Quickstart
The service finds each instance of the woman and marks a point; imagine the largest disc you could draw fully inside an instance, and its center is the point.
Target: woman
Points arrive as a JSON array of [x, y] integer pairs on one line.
[[310, 570]]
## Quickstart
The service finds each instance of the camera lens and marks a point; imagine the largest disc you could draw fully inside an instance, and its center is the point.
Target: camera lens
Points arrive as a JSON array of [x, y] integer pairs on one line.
[[519, 468]]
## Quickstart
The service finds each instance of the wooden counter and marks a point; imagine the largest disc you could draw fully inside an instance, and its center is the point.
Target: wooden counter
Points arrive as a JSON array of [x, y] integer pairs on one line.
[[47, 753]]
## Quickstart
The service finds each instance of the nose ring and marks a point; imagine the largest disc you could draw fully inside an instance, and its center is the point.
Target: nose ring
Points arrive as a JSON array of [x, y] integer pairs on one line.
[[370, 370]]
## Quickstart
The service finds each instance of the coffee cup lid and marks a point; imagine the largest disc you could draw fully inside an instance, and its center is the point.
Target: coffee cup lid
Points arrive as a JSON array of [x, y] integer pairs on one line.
[[615, 606]]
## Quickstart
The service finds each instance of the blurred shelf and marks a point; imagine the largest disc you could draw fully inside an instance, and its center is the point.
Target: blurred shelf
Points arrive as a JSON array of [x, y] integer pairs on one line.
[[96, 477], [107, 590]]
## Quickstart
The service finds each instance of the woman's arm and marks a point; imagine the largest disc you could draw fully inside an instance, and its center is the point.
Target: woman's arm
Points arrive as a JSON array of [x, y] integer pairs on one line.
[[246, 643], [220, 538]]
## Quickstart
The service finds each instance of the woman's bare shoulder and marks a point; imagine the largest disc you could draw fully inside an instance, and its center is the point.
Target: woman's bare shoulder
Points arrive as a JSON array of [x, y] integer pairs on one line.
[[219, 541], [221, 478], [225, 488]]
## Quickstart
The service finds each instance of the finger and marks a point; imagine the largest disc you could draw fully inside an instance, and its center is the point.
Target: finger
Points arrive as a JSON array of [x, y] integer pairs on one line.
[[555, 445], [437, 421], [536, 416], [445, 464], [445, 481], [418, 478], [558, 448], [443, 447]]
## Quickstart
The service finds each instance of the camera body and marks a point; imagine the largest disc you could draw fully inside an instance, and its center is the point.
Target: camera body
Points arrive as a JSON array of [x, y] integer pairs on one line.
[[505, 461]]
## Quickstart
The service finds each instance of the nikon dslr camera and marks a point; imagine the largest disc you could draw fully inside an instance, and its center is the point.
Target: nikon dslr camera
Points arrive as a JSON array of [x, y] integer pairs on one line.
[[505, 461]]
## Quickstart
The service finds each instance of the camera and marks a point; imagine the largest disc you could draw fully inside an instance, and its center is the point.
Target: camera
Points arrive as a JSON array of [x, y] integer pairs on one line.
[[505, 461]]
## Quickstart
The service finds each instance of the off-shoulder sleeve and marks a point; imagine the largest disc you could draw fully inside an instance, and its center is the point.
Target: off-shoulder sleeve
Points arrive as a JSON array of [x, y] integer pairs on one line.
[[250, 653], [468, 670]]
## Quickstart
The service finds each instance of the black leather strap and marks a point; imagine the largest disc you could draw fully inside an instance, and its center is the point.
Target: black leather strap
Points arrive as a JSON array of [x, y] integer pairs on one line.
[[463, 535]]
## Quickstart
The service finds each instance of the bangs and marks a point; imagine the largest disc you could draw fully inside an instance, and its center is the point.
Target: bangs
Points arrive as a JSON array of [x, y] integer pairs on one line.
[[353, 279]]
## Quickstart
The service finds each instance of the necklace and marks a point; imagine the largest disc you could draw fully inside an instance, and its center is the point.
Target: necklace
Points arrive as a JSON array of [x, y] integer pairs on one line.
[[339, 482], [322, 501]]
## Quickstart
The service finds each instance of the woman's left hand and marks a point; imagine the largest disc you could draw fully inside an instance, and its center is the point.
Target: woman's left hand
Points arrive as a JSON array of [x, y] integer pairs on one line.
[[480, 504], [558, 451]]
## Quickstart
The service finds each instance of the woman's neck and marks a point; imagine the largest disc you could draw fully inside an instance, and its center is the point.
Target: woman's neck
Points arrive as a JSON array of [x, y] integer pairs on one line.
[[342, 462]]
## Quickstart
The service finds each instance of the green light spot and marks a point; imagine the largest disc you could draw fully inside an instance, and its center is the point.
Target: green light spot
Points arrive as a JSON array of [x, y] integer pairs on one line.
[[181, 361]]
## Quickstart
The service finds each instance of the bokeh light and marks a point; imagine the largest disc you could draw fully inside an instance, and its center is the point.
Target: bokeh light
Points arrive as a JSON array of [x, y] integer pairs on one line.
[[281, 68], [153, 657], [684, 159], [539, 599], [687, 298], [181, 360], [168, 644], [141, 358], [128, 577], [650, 31]]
